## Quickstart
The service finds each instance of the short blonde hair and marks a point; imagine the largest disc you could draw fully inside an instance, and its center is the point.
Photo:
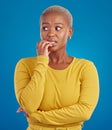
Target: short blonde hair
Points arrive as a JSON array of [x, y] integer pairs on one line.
[[59, 9]]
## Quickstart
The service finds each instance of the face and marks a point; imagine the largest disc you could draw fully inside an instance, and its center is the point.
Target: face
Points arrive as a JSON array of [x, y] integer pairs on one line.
[[54, 27]]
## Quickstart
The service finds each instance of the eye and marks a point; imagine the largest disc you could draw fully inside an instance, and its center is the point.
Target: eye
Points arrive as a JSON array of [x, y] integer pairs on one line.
[[58, 28], [45, 28]]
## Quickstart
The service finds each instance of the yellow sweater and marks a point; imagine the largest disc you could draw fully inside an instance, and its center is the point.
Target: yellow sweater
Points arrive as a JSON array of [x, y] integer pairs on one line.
[[56, 98]]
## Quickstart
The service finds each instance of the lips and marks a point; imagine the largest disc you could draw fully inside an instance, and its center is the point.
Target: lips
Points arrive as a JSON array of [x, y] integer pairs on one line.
[[54, 42]]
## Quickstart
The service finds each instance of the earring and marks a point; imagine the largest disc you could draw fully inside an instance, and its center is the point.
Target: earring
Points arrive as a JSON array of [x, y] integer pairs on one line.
[[69, 38]]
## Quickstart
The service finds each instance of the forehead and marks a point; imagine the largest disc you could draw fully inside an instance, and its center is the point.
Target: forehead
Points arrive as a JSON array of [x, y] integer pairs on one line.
[[54, 17]]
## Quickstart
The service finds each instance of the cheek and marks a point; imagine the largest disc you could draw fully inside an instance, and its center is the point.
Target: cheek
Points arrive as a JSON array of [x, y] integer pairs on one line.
[[42, 35], [64, 36]]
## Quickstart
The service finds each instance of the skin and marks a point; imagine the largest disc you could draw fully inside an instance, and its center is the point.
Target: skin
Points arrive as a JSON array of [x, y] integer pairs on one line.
[[55, 31]]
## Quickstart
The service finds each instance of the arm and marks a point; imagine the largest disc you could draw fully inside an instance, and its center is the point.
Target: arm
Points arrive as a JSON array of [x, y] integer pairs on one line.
[[29, 89], [80, 111]]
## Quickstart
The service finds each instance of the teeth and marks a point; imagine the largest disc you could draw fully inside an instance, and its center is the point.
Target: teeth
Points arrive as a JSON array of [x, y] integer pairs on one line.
[[53, 42]]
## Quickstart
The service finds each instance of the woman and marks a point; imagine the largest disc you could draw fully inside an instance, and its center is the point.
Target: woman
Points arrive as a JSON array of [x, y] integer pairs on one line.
[[55, 90]]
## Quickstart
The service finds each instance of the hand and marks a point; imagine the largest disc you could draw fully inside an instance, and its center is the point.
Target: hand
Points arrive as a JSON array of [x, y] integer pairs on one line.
[[42, 48], [19, 110]]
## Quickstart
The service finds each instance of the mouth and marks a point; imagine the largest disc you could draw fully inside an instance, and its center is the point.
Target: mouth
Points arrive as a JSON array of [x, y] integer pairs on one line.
[[53, 42]]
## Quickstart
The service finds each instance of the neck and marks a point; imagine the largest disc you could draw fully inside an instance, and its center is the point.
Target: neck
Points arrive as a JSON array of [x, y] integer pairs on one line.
[[58, 57]]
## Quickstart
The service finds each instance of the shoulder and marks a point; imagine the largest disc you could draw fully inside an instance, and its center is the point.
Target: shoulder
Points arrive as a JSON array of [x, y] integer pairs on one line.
[[83, 63], [26, 62]]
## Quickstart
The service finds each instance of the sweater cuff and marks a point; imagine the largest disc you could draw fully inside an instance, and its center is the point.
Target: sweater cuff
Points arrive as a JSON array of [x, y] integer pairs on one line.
[[43, 59], [35, 117], [42, 63]]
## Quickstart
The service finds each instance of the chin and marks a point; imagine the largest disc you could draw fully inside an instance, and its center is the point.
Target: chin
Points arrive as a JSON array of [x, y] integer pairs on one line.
[[52, 49], [57, 48]]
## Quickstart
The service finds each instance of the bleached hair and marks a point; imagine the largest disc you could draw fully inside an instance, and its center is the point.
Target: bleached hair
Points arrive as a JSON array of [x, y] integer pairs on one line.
[[59, 9]]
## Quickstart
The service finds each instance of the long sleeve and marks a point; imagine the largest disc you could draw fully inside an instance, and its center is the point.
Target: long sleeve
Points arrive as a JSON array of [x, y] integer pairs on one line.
[[83, 109], [29, 88]]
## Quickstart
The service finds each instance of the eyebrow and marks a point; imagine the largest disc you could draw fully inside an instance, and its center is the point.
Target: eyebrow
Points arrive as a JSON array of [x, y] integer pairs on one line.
[[45, 23], [48, 23]]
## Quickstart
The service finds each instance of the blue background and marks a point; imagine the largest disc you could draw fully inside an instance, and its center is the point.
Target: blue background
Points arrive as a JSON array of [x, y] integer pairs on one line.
[[19, 32]]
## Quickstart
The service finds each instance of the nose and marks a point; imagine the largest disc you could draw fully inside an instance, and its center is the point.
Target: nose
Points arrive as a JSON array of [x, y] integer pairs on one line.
[[51, 33]]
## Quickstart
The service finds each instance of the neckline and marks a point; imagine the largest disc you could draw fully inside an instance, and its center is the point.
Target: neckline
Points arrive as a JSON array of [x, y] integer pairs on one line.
[[50, 68]]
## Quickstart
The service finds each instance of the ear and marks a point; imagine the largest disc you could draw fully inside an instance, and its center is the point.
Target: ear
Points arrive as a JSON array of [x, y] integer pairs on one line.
[[71, 30]]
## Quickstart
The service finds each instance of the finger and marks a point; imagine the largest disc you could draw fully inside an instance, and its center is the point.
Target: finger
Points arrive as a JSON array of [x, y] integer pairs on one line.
[[19, 110], [42, 47], [47, 46], [26, 115], [39, 44], [43, 44]]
